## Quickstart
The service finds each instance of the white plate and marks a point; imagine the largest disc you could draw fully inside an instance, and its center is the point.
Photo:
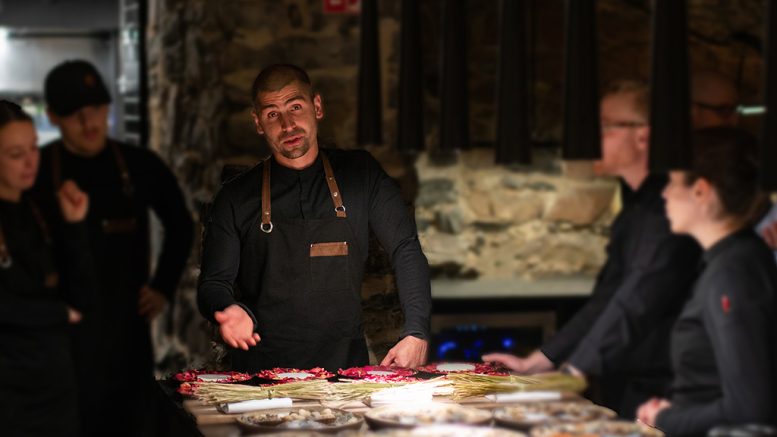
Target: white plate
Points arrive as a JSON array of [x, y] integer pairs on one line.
[[381, 373], [294, 375], [454, 367], [213, 377]]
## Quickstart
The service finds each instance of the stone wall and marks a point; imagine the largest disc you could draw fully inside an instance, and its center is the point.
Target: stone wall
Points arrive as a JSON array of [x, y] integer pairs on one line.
[[475, 219]]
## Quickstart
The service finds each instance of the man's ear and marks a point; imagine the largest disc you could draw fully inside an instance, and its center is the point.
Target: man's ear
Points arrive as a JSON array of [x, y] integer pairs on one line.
[[643, 138], [318, 106], [255, 117]]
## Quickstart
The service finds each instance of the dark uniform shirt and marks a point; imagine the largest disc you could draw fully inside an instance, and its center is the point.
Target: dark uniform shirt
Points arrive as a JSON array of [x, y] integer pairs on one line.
[[622, 333], [373, 201], [36, 369], [115, 340], [724, 344]]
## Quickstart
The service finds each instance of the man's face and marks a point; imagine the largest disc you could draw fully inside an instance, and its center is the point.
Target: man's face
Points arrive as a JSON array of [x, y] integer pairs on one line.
[[84, 131], [288, 119], [624, 134], [714, 103], [19, 156]]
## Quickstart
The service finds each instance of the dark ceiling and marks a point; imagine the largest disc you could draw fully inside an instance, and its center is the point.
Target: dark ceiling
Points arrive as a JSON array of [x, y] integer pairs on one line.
[[64, 15]]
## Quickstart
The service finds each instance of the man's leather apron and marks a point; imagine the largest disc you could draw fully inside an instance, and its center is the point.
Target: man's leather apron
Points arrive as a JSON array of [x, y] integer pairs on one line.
[[308, 309]]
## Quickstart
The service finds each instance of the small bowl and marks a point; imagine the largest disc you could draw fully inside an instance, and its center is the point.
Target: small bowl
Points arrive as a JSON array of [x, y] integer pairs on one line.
[[343, 420]]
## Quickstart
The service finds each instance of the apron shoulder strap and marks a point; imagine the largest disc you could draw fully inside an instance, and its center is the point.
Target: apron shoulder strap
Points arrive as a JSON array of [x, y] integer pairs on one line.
[[337, 198], [266, 225], [56, 165], [127, 187], [334, 191], [56, 168]]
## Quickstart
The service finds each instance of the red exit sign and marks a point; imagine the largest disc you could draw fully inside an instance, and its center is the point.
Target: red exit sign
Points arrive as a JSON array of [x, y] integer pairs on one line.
[[342, 6]]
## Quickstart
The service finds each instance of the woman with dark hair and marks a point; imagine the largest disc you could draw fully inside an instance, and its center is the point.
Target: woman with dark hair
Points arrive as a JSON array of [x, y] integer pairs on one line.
[[724, 353], [37, 379]]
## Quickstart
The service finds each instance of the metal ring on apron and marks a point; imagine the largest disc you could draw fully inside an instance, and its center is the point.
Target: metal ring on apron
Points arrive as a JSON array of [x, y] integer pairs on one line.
[[266, 230], [340, 208], [6, 262]]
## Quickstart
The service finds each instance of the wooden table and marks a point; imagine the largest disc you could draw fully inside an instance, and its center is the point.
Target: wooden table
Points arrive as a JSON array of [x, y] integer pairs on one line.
[[209, 422]]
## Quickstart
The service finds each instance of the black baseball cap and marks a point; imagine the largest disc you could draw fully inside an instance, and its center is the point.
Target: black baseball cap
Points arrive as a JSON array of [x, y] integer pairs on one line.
[[73, 85]]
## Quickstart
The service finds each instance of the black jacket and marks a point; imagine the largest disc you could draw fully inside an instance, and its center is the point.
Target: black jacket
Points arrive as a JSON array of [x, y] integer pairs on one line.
[[115, 340], [622, 333], [724, 345], [37, 377]]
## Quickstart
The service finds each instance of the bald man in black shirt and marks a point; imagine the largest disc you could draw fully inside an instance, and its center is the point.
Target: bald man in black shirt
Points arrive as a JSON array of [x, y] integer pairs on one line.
[[286, 243]]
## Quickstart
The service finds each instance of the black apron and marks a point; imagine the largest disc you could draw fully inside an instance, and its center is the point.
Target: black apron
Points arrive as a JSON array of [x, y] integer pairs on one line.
[[114, 339], [308, 309], [37, 379], [109, 225]]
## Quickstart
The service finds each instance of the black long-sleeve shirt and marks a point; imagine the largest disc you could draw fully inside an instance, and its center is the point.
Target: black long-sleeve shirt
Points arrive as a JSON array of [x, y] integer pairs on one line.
[[155, 189], [372, 199], [724, 344], [34, 330], [631, 334], [648, 275], [25, 301], [114, 339]]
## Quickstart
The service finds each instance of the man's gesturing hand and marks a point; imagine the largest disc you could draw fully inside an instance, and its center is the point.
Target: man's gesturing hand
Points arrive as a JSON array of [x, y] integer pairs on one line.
[[236, 327]]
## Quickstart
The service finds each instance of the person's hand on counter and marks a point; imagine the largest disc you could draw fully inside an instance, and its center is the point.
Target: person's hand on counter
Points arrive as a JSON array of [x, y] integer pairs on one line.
[[236, 327], [409, 352], [769, 234], [536, 362], [150, 302], [647, 412]]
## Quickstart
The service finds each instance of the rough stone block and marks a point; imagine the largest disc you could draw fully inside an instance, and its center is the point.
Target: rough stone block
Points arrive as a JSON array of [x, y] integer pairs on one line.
[[581, 205]]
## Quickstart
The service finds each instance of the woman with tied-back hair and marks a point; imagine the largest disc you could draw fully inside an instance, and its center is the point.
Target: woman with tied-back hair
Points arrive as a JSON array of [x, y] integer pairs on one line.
[[723, 344], [37, 383]]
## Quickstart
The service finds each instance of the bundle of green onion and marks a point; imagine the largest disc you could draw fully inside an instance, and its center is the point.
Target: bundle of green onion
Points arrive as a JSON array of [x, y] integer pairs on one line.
[[472, 385], [218, 393]]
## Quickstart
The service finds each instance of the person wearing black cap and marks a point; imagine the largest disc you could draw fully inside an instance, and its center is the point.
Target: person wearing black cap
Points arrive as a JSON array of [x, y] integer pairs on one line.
[[113, 347]]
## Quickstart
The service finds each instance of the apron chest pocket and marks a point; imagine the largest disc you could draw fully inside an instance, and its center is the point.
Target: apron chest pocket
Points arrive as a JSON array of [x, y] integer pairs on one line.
[[329, 266]]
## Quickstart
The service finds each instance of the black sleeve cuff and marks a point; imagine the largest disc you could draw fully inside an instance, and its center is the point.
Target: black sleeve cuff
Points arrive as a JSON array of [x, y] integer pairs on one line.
[[554, 356], [416, 334], [249, 312]]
